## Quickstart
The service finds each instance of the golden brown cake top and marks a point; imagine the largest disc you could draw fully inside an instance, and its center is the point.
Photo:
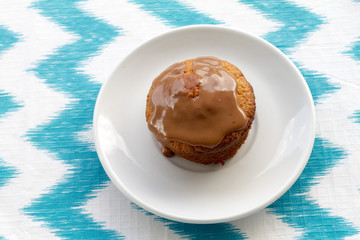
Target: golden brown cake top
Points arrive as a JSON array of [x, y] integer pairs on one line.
[[195, 102]]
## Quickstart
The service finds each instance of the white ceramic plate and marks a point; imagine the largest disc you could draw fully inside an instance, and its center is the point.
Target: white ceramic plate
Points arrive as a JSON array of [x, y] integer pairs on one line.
[[270, 161]]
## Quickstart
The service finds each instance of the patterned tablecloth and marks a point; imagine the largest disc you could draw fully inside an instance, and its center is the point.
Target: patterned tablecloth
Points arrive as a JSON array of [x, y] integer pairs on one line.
[[54, 56]]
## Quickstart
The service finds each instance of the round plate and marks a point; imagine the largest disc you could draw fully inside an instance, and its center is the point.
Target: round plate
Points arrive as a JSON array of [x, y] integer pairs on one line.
[[270, 161]]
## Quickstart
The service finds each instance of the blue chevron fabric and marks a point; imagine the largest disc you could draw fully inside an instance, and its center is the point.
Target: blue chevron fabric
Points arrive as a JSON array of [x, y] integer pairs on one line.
[[54, 57], [7, 103]]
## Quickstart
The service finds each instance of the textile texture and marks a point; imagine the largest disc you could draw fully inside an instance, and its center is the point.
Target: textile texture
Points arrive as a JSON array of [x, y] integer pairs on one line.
[[54, 57]]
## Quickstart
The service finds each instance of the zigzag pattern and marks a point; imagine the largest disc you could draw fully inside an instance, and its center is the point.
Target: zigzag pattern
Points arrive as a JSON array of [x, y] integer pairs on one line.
[[27, 89], [341, 104], [294, 33], [60, 207], [298, 23], [221, 231], [302, 212], [318, 84], [7, 104]]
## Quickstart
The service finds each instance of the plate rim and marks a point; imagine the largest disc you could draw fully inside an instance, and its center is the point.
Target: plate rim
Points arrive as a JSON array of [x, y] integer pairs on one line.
[[123, 189]]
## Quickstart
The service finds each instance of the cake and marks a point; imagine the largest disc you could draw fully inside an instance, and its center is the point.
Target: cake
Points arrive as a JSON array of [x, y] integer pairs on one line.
[[201, 109]]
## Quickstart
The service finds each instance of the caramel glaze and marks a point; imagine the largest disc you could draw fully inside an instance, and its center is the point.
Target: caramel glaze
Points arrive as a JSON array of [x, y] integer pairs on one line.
[[196, 107]]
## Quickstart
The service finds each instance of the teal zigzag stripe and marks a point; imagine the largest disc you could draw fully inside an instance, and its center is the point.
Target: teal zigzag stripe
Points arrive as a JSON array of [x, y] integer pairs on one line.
[[295, 208], [177, 15], [174, 13], [298, 23], [302, 212], [7, 104], [219, 231], [7, 40], [60, 208]]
